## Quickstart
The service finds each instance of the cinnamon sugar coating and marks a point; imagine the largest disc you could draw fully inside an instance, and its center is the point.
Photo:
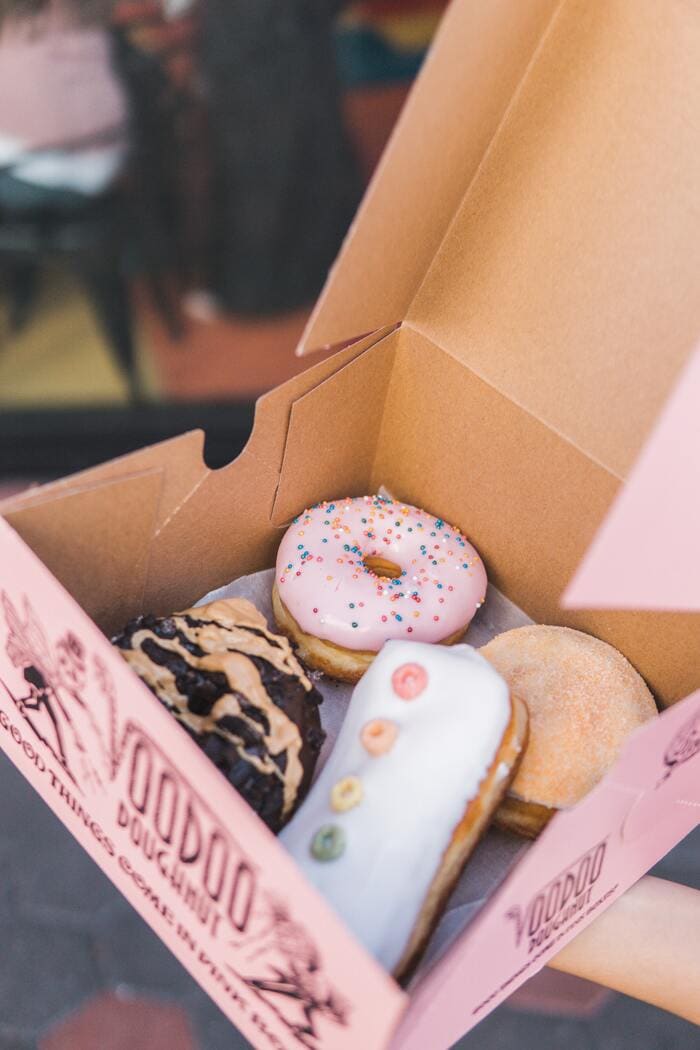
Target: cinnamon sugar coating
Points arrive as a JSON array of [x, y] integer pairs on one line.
[[584, 700]]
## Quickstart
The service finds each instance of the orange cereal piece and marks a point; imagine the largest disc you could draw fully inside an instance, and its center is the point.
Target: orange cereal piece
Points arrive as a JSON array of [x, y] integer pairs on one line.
[[379, 736]]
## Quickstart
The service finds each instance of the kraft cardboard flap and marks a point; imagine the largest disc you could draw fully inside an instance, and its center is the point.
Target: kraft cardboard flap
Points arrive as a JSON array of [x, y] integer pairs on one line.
[[273, 410], [568, 278], [97, 547], [536, 212], [179, 461], [478, 58], [344, 466], [157, 528], [220, 533], [94, 507]]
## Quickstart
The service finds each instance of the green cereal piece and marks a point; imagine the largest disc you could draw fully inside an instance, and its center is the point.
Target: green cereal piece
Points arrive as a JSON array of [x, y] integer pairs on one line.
[[328, 843]]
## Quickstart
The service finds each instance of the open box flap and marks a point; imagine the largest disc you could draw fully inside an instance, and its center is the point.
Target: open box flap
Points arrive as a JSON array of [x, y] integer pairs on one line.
[[585, 858], [192, 537], [131, 519], [661, 498], [105, 564], [175, 837], [178, 460], [477, 60], [568, 278], [365, 381], [536, 212]]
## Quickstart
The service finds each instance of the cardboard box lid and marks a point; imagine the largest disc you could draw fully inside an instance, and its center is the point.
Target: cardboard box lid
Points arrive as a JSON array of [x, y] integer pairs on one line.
[[479, 54], [536, 213]]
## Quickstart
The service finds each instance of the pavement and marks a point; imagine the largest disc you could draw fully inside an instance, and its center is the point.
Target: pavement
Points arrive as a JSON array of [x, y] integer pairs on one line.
[[79, 970]]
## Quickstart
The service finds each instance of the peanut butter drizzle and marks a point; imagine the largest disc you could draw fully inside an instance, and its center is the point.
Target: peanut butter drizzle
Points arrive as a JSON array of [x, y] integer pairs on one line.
[[226, 639], [232, 614]]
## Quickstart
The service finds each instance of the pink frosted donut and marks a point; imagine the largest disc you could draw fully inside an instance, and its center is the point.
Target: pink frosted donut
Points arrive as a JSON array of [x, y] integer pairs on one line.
[[355, 573]]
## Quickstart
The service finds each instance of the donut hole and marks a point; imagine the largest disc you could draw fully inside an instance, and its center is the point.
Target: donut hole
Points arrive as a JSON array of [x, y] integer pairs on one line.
[[389, 570]]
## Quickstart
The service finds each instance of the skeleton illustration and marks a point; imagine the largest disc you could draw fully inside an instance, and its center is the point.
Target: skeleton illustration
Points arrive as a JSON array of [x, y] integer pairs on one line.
[[684, 746], [295, 986], [53, 706]]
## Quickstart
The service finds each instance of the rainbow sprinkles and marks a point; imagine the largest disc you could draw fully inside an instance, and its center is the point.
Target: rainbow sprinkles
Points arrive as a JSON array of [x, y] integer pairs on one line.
[[358, 572]]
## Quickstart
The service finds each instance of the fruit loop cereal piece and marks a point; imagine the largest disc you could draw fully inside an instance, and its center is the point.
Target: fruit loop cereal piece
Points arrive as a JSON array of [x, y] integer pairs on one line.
[[379, 736], [409, 681], [346, 794], [328, 843]]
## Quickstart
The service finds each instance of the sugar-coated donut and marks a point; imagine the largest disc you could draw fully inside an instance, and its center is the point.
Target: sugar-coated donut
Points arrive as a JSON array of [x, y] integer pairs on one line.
[[354, 573], [240, 693], [429, 744], [584, 700]]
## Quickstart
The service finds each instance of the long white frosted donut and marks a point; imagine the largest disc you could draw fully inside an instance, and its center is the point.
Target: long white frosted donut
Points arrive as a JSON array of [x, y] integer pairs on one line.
[[325, 583], [424, 726]]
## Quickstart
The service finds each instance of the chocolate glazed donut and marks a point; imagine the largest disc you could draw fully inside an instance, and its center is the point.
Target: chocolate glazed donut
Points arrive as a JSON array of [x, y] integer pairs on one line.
[[240, 693]]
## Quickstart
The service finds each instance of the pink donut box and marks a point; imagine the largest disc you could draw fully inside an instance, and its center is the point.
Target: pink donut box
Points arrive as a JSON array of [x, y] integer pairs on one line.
[[525, 264]]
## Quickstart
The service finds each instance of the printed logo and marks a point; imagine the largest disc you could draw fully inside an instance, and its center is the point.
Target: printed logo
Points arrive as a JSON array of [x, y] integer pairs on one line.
[[290, 976], [684, 746], [174, 829], [559, 901], [177, 845], [53, 703]]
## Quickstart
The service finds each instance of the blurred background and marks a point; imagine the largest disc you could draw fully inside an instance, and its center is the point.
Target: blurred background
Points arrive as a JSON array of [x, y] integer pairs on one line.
[[176, 177]]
